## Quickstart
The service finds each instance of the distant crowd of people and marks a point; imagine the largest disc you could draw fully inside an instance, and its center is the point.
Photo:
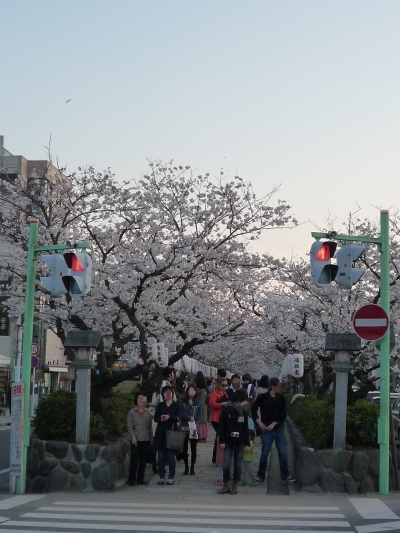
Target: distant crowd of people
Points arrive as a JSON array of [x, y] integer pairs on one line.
[[238, 409]]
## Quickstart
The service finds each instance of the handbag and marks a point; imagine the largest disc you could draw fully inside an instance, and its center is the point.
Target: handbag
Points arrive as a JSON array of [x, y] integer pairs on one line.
[[175, 440]]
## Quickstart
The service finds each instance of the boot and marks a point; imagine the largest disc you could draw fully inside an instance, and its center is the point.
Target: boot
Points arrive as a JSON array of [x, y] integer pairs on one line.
[[185, 460], [192, 472], [225, 489], [234, 487]]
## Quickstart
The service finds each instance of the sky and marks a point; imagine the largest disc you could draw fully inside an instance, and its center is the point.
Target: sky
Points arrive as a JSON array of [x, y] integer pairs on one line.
[[304, 94]]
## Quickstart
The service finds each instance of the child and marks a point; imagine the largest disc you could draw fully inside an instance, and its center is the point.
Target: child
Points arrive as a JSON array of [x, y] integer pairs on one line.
[[247, 464]]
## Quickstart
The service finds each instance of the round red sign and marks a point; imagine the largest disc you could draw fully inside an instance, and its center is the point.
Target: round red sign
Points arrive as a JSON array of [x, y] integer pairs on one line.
[[371, 322]]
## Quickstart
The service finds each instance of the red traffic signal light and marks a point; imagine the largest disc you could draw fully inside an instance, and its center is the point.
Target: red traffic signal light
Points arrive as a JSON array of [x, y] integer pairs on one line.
[[324, 253], [73, 262]]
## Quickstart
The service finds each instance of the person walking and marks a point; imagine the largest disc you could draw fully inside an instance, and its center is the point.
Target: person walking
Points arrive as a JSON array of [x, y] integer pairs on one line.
[[235, 385], [217, 400], [202, 396], [233, 433], [247, 383], [262, 385], [271, 420], [139, 424], [167, 416], [190, 412]]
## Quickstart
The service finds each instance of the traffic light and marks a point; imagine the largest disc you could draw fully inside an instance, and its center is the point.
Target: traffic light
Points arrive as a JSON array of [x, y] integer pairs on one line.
[[72, 273], [78, 281], [347, 275], [322, 271]]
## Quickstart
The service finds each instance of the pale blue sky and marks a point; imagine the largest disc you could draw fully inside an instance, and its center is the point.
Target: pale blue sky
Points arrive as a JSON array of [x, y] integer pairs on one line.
[[299, 93]]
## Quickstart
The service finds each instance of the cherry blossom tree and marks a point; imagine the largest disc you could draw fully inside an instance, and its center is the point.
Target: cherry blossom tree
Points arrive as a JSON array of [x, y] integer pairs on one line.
[[171, 255]]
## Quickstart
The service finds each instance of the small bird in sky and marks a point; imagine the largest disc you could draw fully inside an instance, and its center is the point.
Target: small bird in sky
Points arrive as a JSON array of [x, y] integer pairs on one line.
[[68, 100]]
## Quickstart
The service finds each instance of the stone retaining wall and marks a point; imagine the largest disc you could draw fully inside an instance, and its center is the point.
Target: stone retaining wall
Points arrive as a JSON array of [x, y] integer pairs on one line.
[[334, 470], [54, 466]]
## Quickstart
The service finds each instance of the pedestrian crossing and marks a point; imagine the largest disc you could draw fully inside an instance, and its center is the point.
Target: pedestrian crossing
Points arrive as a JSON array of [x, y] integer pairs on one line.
[[73, 517]]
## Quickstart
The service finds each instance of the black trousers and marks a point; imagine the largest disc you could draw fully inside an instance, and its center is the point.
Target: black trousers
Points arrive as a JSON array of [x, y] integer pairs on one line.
[[193, 451], [214, 455], [138, 461]]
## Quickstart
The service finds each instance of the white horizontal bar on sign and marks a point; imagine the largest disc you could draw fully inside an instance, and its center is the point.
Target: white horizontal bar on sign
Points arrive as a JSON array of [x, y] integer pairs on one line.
[[140, 528], [371, 322], [165, 519]]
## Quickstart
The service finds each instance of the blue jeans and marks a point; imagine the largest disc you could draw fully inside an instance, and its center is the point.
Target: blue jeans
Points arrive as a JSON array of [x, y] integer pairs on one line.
[[237, 453], [163, 457], [268, 438]]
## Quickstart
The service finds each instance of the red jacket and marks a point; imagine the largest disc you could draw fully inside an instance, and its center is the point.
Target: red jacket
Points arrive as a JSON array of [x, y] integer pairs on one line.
[[215, 406]]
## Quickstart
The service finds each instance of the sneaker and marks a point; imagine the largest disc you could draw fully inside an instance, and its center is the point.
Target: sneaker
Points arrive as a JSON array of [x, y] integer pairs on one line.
[[242, 483], [290, 479], [259, 479], [254, 483], [220, 483]]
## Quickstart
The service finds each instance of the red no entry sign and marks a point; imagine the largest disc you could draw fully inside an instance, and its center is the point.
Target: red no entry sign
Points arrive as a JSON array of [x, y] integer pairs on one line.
[[371, 322]]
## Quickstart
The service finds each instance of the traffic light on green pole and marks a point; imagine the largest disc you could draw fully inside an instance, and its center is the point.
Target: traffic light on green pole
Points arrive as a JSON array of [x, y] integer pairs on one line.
[[322, 271], [71, 273], [347, 275]]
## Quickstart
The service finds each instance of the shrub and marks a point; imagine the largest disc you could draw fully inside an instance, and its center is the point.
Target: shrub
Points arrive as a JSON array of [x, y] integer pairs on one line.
[[55, 416], [97, 429], [362, 423], [116, 409], [315, 418]]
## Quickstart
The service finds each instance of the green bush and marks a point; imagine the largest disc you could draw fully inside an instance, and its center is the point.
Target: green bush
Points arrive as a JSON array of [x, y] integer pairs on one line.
[[315, 418], [116, 409], [55, 416], [362, 423]]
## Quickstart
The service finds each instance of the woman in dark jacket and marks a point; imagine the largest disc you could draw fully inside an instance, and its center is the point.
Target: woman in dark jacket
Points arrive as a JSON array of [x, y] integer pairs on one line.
[[167, 415]]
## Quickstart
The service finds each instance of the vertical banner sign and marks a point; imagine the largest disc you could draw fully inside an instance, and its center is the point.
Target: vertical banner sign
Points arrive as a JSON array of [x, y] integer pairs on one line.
[[17, 429]]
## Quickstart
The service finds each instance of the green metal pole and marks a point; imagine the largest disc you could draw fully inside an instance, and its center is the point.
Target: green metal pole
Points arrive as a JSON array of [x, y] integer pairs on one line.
[[383, 426], [27, 345]]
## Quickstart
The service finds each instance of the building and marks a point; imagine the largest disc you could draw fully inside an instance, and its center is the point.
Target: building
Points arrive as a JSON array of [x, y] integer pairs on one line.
[[52, 372]]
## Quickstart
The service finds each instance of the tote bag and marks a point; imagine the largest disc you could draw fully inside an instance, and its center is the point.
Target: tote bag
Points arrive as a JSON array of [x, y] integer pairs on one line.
[[175, 439]]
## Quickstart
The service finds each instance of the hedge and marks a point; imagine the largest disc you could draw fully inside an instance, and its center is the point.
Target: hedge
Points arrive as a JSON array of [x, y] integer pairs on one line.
[[55, 417], [315, 418]]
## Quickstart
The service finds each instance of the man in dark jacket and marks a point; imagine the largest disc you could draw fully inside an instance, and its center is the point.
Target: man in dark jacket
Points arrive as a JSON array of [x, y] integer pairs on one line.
[[272, 407], [233, 433]]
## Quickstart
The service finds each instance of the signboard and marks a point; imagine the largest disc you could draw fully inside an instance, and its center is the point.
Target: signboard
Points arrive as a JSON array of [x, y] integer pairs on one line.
[[34, 361], [35, 349], [371, 322], [17, 429]]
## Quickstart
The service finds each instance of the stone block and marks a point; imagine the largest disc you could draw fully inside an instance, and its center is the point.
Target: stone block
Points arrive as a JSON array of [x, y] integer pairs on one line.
[[47, 466], [38, 445], [351, 486], [111, 453], [32, 467], [86, 469], [313, 489], [359, 466], [308, 469], [104, 476], [373, 467], [77, 452], [38, 485], [58, 449], [367, 485], [92, 451], [70, 466], [126, 446], [58, 480], [331, 481], [342, 460], [326, 457], [78, 484]]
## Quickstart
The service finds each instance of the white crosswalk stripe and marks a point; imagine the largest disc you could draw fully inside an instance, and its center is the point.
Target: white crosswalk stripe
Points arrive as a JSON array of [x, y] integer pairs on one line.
[[68, 517]]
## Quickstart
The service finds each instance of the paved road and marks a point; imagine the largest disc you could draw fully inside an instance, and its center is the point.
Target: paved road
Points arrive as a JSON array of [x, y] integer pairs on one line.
[[143, 510], [4, 458]]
